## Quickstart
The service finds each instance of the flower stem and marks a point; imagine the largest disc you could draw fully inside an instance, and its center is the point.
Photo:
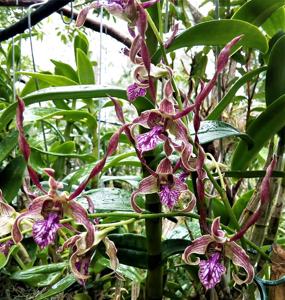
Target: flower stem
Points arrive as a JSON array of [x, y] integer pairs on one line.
[[160, 41]]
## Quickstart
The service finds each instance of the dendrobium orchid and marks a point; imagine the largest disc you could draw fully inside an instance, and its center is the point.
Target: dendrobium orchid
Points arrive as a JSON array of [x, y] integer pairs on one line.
[[7, 217], [47, 211], [166, 184], [82, 248], [162, 124], [217, 245], [134, 13], [123, 9]]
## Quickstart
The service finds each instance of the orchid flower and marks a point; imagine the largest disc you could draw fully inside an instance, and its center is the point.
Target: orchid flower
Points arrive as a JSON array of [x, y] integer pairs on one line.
[[47, 211], [141, 77], [83, 250], [161, 123], [211, 270], [123, 9], [169, 187]]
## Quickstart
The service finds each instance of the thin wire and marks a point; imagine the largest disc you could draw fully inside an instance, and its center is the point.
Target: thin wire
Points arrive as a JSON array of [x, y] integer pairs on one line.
[[71, 15], [100, 80], [14, 71], [34, 64], [166, 16]]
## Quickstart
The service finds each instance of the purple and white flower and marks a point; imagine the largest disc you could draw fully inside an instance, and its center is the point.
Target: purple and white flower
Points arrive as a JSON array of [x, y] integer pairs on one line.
[[166, 184], [211, 270]]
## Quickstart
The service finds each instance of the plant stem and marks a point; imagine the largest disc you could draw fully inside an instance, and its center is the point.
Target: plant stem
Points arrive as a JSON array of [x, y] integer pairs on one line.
[[153, 227]]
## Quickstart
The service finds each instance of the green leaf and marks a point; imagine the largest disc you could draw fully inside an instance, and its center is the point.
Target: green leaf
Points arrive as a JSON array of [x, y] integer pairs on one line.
[[241, 203], [252, 174], [65, 70], [84, 68], [5, 259], [8, 143], [33, 85], [81, 174], [17, 55], [11, 178], [219, 33], [106, 199], [2, 260], [275, 23], [89, 156], [57, 94], [57, 288], [55, 80], [126, 271], [226, 100], [131, 249], [40, 275], [219, 210], [257, 11], [173, 246], [260, 130], [275, 76], [215, 130], [132, 180], [81, 42], [42, 113]]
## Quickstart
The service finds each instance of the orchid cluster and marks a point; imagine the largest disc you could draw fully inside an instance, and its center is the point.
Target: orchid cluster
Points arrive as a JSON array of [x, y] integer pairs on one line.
[[161, 126], [45, 217]]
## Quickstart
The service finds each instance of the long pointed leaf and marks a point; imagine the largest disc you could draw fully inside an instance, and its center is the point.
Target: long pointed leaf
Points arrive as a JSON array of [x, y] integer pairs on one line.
[[257, 11], [260, 130], [218, 33]]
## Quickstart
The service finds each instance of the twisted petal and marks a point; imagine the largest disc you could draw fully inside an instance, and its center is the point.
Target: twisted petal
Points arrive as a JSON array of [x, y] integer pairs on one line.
[[44, 231], [34, 213], [179, 184], [166, 106], [80, 267], [111, 251], [240, 259], [198, 246], [185, 196], [118, 109], [186, 156], [113, 144], [23, 143], [79, 214], [216, 232], [148, 185], [178, 129], [7, 216], [211, 271], [164, 167]]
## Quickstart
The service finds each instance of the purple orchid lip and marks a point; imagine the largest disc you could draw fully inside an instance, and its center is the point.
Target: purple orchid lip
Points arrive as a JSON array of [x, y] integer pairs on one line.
[[149, 140], [230, 250], [211, 271], [168, 196], [44, 231], [134, 91]]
